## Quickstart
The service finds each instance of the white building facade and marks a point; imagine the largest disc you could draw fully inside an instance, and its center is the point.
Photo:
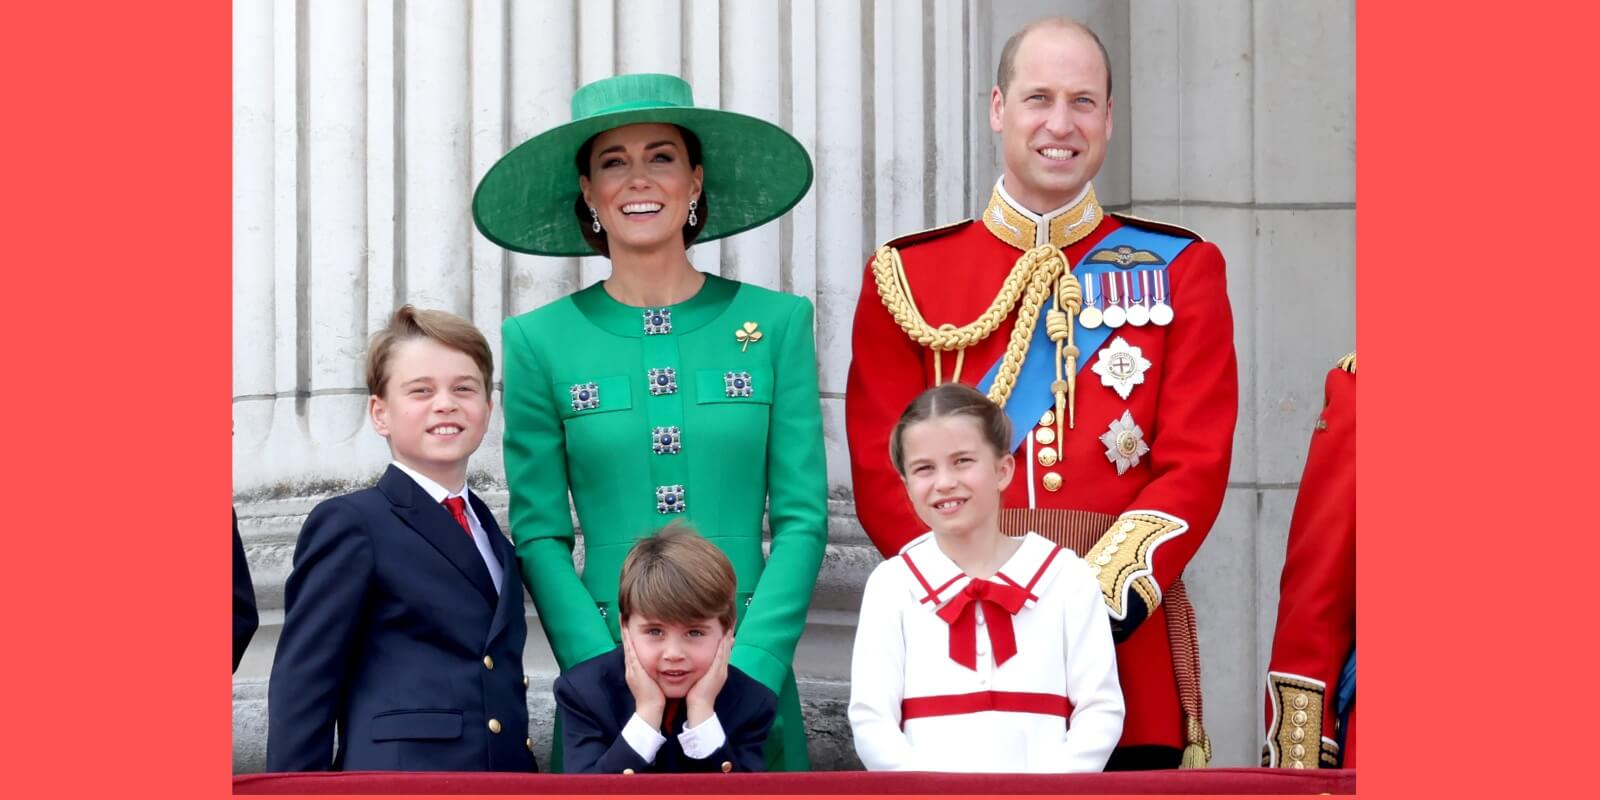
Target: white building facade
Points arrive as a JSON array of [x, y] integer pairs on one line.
[[361, 128]]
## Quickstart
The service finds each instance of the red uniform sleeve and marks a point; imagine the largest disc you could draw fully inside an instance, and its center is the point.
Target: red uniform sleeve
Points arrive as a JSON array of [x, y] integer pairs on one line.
[[1316, 626], [1166, 521], [886, 372]]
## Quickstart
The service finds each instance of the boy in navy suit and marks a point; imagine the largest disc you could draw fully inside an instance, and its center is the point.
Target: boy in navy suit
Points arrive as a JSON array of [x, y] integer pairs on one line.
[[403, 624], [667, 700]]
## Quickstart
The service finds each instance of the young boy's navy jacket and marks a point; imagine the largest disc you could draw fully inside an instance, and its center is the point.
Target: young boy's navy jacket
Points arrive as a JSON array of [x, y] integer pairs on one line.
[[244, 598], [594, 698], [394, 633]]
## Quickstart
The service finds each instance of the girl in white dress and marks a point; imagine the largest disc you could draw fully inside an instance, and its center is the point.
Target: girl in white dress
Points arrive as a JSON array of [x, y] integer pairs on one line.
[[976, 651]]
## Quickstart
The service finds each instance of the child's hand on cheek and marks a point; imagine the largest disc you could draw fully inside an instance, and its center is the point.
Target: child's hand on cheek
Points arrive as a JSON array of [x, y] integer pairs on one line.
[[702, 696], [648, 701]]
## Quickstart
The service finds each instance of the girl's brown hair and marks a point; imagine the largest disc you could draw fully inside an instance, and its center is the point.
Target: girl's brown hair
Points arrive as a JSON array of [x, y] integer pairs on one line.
[[952, 400], [677, 576]]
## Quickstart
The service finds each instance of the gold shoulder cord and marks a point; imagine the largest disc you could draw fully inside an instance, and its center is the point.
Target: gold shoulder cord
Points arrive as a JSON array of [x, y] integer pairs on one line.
[[1039, 271], [895, 291]]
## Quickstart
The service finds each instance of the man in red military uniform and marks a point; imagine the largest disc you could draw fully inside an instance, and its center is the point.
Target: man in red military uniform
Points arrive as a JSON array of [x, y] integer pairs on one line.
[[1311, 675], [1109, 342]]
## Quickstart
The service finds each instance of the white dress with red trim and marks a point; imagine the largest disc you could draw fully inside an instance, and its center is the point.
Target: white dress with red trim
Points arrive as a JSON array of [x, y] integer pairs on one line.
[[1015, 673]]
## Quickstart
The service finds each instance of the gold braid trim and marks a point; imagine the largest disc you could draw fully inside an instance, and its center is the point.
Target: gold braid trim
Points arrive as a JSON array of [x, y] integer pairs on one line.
[[1045, 263], [1348, 363], [1295, 738], [889, 273], [1121, 559]]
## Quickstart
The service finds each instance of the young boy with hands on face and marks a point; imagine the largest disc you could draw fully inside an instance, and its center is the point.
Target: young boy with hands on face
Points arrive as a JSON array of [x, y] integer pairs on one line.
[[666, 700]]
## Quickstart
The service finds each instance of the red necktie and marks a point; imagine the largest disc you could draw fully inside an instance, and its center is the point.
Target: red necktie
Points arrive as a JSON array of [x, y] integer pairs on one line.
[[999, 602], [458, 509]]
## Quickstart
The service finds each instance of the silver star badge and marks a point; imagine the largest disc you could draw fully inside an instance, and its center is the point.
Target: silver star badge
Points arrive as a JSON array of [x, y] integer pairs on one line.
[[1121, 366], [1124, 443]]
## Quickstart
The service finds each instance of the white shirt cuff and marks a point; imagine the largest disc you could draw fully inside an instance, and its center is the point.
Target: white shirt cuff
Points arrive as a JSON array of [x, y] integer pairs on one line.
[[703, 739], [645, 740]]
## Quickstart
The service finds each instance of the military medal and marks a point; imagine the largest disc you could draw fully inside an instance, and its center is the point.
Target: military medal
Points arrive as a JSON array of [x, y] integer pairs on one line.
[[1161, 313], [1115, 314], [1124, 442], [1139, 310], [1121, 366], [1089, 317]]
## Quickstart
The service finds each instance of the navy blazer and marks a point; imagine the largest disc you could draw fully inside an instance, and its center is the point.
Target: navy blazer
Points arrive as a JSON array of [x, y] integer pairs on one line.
[[596, 704], [244, 598], [393, 634]]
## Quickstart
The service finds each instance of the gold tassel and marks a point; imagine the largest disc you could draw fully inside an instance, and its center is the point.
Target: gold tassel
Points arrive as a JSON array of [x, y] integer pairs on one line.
[[1197, 755]]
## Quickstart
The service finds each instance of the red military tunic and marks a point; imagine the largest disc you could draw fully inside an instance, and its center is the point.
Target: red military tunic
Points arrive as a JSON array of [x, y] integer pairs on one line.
[[1185, 409], [1316, 627]]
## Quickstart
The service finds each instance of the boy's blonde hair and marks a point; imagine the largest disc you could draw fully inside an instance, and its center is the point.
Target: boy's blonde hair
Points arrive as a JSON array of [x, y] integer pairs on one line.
[[410, 322], [677, 576]]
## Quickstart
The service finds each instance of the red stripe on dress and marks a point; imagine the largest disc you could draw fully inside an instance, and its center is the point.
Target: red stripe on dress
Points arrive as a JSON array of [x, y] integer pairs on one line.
[[918, 575], [947, 584], [933, 594], [945, 705], [1042, 568], [1036, 575]]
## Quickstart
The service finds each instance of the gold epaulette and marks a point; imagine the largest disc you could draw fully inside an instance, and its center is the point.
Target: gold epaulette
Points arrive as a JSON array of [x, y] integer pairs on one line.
[[1164, 227], [925, 235], [1348, 363]]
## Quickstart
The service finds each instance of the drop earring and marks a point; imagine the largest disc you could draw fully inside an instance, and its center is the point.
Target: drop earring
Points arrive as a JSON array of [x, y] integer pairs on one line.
[[693, 204], [595, 215]]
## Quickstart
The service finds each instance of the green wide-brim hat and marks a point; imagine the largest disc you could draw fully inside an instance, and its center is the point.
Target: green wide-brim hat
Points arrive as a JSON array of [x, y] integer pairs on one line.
[[754, 170]]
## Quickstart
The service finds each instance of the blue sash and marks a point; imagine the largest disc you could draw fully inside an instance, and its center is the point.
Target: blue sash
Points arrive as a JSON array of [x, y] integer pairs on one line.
[[1345, 700], [1031, 395]]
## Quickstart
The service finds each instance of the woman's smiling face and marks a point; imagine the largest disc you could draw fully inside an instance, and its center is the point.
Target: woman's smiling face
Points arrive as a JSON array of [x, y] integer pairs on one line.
[[640, 184]]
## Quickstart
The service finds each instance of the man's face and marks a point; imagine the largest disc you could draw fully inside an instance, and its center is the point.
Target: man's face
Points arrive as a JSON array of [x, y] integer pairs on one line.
[[1054, 120]]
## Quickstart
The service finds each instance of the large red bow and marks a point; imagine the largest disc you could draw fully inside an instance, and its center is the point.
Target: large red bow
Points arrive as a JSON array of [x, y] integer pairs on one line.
[[999, 602]]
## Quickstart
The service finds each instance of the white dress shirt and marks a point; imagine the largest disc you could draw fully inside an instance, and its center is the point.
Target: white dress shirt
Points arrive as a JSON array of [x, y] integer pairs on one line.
[[479, 536], [698, 742]]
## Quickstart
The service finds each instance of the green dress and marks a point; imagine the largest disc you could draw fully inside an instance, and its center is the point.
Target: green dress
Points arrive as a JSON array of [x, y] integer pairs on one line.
[[705, 411]]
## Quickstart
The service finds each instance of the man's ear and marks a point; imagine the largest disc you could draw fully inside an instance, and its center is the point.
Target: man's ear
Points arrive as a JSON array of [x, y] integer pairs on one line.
[[997, 103]]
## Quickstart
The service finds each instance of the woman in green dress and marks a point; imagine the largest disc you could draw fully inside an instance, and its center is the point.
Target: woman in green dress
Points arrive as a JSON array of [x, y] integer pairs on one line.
[[662, 392]]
